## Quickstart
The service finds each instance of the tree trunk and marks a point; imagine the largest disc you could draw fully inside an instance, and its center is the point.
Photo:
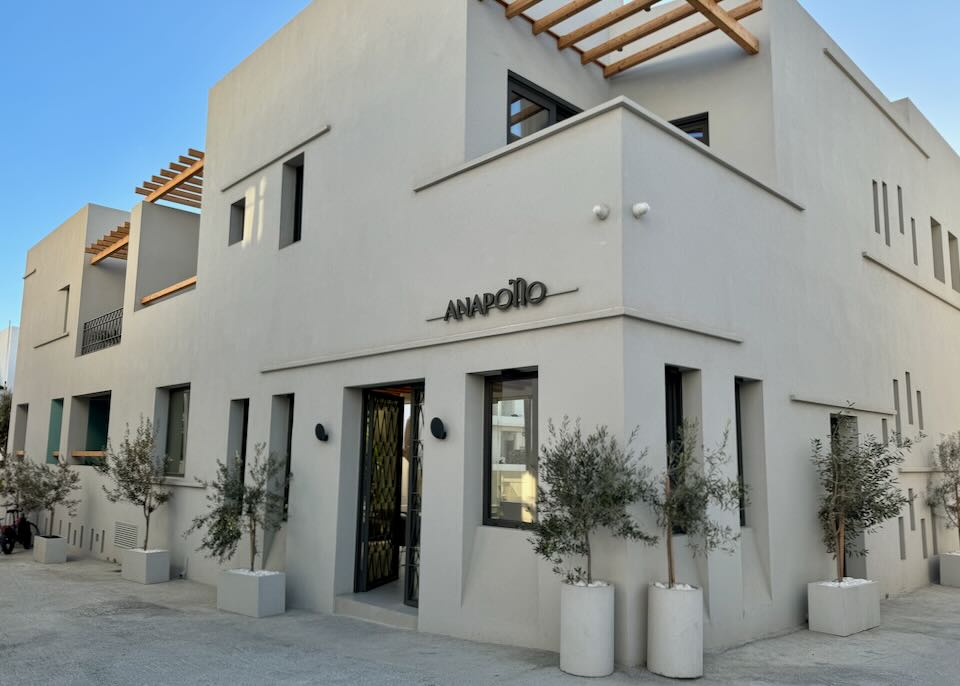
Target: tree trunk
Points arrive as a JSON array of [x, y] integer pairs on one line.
[[586, 539], [841, 544], [50, 528], [253, 544], [146, 531], [671, 574]]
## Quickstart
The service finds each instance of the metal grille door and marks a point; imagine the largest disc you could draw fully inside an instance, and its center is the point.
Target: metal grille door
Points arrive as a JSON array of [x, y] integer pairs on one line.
[[411, 563]]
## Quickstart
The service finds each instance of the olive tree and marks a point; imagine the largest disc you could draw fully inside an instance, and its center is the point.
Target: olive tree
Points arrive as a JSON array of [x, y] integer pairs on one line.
[[946, 493], [137, 472], [54, 487], [586, 483]]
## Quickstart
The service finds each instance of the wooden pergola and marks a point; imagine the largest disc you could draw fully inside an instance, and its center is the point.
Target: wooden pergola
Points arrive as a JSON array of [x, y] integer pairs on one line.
[[180, 181], [114, 244], [716, 18]]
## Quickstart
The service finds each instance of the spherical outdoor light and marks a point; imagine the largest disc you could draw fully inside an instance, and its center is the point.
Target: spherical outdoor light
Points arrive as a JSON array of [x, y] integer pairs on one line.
[[437, 429], [601, 211], [321, 433], [640, 209]]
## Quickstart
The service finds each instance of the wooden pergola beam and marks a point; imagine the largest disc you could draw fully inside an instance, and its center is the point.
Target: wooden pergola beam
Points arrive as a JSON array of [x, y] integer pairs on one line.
[[194, 167], [112, 250], [561, 14], [722, 19], [604, 22], [519, 6], [739, 12], [636, 33]]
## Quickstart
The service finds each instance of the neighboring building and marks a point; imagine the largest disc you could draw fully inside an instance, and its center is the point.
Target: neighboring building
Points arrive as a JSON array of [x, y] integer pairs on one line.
[[375, 165], [9, 338]]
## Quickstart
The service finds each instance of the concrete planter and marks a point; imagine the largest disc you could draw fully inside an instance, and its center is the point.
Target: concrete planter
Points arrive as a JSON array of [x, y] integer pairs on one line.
[[49, 550], [843, 610], [254, 594], [675, 631], [586, 629], [145, 566], [950, 569]]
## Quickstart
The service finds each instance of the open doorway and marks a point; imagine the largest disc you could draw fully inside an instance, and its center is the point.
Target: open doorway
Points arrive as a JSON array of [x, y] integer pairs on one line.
[[390, 498]]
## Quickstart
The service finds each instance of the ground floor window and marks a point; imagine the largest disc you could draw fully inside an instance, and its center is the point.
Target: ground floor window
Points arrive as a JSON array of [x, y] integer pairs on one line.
[[178, 412], [510, 449]]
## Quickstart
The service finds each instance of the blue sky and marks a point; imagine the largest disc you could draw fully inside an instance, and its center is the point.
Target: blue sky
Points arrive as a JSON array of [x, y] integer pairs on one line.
[[96, 95]]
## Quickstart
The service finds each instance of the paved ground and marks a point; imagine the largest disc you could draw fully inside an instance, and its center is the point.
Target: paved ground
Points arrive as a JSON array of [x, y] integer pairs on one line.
[[80, 623]]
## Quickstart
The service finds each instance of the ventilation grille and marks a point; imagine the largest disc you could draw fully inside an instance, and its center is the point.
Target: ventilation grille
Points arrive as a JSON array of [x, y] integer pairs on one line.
[[124, 535]]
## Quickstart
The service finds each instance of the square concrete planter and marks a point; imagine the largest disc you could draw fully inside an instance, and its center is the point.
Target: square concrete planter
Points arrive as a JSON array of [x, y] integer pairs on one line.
[[254, 594], [49, 549], [845, 609], [145, 566], [950, 569]]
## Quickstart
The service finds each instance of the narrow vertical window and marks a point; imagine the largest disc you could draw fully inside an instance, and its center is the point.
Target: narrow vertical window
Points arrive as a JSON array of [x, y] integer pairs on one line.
[[291, 202], [65, 306], [281, 439], [923, 536], [876, 207], [886, 215], [238, 215], [920, 410], [909, 398], [900, 207], [673, 379], [896, 409], [913, 237], [54, 431], [748, 410], [954, 261], [903, 539], [913, 521], [884, 431], [20, 429], [936, 238], [175, 445], [511, 449], [933, 532], [237, 436]]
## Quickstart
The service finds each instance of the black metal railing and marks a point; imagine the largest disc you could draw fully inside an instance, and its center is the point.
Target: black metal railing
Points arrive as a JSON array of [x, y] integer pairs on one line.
[[102, 332]]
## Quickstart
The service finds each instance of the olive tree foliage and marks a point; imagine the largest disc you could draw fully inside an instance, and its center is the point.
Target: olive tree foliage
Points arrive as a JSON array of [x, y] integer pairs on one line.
[[239, 506], [946, 493], [19, 485], [6, 403], [586, 483], [137, 472], [54, 486], [858, 488], [694, 485]]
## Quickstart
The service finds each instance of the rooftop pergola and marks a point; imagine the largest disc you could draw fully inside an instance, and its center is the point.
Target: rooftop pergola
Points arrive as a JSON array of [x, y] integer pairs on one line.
[[180, 182], [562, 25]]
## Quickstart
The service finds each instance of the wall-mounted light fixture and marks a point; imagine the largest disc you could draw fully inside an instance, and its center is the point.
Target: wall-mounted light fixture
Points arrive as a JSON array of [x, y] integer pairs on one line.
[[320, 433], [640, 209], [437, 429], [601, 211]]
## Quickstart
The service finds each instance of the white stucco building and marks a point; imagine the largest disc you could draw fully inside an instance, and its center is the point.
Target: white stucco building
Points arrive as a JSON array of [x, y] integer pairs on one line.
[[8, 355], [374, 163]]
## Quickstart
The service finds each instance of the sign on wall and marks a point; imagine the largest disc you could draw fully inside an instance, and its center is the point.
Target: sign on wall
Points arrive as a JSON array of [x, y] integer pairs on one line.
[[519, 293]]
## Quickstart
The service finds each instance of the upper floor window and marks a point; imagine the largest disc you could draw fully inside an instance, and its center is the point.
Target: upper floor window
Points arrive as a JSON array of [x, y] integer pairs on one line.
[[696, 126], [531, 109], [291, 198]]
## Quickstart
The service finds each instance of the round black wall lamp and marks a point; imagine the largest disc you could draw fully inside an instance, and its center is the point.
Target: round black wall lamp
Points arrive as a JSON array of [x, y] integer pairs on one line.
[[320, 432], [437, 429]]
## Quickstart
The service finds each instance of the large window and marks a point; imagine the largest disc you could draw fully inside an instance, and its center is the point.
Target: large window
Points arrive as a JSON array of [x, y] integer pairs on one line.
[[178, 411], [531, 109], [510, 449], [696, 126]]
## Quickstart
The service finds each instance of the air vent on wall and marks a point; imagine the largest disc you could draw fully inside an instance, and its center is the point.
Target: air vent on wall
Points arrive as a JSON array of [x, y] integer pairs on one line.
[[124, 535]]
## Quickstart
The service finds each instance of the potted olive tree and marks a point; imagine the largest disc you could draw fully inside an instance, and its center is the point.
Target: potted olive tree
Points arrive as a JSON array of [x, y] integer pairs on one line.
[[586, 484], [54, 487], [858, 493], [139, 478], [945, 495], [241, 507], [694, 485], [18, 492]]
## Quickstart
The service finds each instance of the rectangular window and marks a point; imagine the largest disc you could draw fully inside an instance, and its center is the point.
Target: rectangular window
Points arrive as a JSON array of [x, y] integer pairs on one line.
[[923, 537], [844, 430], [903, 539], [900, 207], [919, 410], [20, 429], [696, 126], [909, 398], [876, 207], [54, 430], [933, 532], [913, 237], [175, 445], [913, 521], [738, 413], [510, 448], [673, 382], [886, 215], [65, 306], [238, 215], [884, 431], [281, 439], [237, 436], [954, 261], [936, 238], [291, 202], [531, 109], [98, 422], [896, 410]]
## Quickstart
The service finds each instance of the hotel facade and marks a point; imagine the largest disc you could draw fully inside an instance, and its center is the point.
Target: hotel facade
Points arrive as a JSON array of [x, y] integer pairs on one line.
[[418, 232]]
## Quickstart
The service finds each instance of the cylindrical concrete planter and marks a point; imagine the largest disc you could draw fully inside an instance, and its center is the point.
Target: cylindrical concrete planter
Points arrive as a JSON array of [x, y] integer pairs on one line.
[[254, 594], [675, 631], [950, 569], [586, 629], [843, 609], [49, 549], [145, 566]]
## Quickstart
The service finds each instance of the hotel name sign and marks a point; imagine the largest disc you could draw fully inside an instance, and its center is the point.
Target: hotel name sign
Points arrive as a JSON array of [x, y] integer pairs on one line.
[[517, 294]]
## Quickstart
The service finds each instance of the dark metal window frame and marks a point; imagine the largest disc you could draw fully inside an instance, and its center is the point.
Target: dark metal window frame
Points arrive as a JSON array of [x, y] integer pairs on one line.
[[170, 390], [557, 108], [695, 122], [505, 375]]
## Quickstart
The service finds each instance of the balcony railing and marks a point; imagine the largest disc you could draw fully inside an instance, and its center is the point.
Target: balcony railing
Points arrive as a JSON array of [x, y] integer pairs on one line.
[[102, 332]]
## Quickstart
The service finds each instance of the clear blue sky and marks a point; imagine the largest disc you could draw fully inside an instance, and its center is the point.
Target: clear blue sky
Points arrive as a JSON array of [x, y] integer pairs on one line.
[[96, 95]]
